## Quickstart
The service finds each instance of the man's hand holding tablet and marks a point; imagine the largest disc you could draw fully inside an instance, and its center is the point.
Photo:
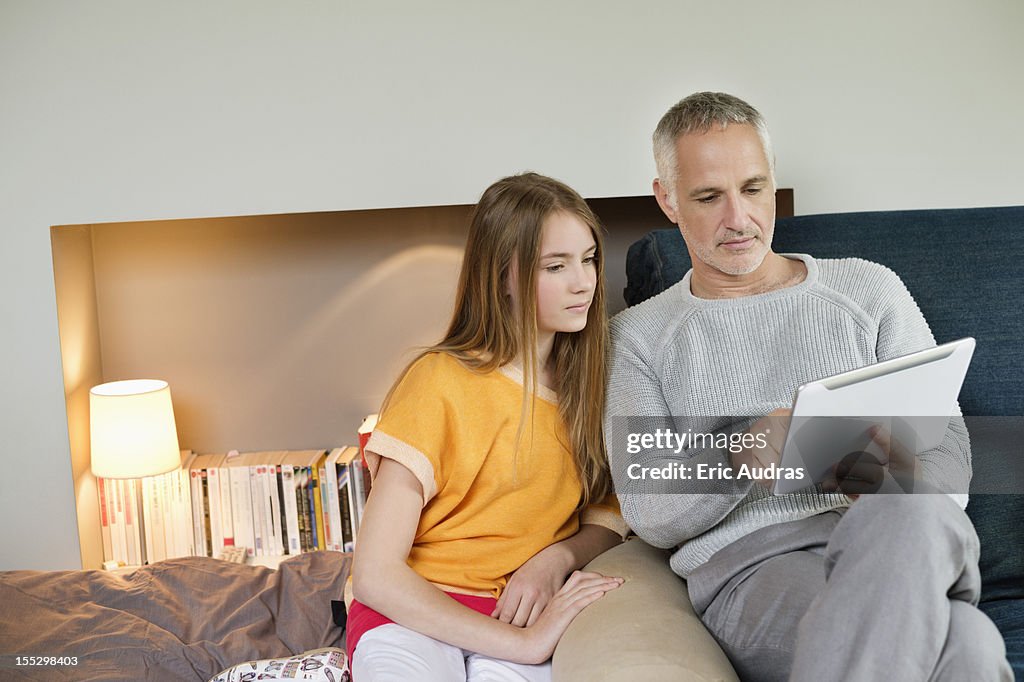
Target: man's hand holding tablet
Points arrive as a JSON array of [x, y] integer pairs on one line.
[[862, 431]]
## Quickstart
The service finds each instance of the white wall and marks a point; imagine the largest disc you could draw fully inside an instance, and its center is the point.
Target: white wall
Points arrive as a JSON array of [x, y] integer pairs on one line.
[[115, 111]]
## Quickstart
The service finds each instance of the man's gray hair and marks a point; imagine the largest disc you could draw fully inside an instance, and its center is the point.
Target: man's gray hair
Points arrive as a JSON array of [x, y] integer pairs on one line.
[[699, 113]]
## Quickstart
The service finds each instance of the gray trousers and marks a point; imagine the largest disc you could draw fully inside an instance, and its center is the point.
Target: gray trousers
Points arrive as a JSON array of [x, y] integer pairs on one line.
[[886, 590]]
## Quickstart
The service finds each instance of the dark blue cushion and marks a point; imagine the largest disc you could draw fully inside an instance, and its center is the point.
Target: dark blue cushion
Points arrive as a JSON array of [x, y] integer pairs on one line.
[[997, 505], [1008, 615]]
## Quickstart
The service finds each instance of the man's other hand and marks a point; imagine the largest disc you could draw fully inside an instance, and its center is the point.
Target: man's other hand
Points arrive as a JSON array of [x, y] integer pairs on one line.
[[863, 472]]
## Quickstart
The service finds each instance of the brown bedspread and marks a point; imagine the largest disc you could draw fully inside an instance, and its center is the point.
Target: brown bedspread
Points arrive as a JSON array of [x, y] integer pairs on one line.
[[181, 619]]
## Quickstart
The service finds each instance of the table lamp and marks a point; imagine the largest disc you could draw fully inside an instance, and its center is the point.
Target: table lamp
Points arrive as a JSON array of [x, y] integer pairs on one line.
[[133, 435], [132, 429]]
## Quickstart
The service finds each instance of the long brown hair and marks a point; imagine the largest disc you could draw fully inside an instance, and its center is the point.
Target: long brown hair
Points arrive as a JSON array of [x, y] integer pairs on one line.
[[488, 331]]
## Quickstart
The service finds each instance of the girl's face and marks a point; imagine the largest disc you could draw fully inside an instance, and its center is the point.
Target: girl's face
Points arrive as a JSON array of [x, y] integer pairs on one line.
[[567, 274]]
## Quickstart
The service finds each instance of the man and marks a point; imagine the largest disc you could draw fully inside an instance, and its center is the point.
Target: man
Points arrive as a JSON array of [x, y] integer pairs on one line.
[[815, 586]]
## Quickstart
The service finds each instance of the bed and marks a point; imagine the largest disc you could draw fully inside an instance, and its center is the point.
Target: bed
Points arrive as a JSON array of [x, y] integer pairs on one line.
[[182, 619]]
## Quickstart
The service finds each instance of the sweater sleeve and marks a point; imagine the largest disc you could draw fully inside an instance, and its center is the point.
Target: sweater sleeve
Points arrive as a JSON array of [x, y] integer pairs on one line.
[[664, 512], [902, 329]]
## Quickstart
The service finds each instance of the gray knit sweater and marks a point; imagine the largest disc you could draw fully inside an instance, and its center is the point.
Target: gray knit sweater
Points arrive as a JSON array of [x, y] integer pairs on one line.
[[719, 360]]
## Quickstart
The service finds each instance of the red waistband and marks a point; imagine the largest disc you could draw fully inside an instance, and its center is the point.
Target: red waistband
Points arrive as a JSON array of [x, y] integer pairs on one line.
[[362, 619]]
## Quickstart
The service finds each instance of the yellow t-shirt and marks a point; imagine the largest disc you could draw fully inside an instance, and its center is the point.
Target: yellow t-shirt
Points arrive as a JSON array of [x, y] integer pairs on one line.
[[487, 508]]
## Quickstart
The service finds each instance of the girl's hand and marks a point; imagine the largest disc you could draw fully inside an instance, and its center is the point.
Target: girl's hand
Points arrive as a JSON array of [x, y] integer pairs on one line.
[[580, 590], [530, 589]]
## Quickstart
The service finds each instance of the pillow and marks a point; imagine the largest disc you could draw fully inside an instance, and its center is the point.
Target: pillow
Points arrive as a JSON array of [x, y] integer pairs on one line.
[[323, 665], [1008, 615], [997, 504], [998, 520]]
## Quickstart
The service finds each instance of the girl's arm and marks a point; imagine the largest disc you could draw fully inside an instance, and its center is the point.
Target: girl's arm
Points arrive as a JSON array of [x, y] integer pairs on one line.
[[590, 541], [535, 583], [383, 581]]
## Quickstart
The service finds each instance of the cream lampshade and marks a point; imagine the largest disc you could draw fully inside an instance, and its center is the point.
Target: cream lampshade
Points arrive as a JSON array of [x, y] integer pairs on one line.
[[132, 429]]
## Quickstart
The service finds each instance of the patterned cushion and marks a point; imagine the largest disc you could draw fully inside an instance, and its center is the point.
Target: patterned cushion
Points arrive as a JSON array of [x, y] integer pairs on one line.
[[321, 665]]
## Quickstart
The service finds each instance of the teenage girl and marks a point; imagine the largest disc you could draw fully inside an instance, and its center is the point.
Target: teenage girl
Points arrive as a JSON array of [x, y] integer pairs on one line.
[[490, 482]]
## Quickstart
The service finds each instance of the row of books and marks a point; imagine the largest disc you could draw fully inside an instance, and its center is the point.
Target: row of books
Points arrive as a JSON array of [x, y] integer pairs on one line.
[[278, 503], [272, 503], [147, 519]]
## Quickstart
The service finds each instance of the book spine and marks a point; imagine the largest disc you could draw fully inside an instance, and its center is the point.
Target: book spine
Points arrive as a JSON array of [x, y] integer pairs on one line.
[[138, 499], [216, 530], [302, 489], [335, 533], [279, 476], [290, 509], [346, 516], [166, 483], [195, 484], [270, 539], [274, 496], [101, 491], [325, 506], [182, 512], [256, 501], [144, 530], [140, 520], [185, 518], [317, 508], [241, 509], [179, 529], [301, 503], [160, 522], [227, 522], [118, 539], [350, 473], [207, 530], [148, 500], [172, 517], [130, 526]]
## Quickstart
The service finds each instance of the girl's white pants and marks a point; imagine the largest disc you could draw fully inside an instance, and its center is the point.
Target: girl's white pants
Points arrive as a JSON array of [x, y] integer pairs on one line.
[[394, 653]]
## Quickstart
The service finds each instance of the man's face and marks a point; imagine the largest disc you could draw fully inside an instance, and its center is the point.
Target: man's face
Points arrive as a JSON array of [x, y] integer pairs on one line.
[[724, 199]]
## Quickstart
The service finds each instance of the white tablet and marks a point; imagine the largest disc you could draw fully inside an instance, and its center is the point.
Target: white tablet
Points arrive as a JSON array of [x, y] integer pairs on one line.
[[913, 396]]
